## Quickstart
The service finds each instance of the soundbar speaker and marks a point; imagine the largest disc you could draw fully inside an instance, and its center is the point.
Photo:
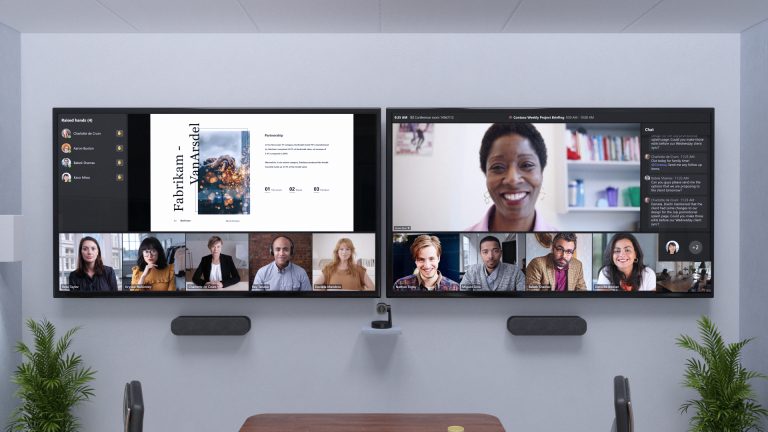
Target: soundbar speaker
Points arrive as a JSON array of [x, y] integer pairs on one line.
[[210, 325], [546, 325]]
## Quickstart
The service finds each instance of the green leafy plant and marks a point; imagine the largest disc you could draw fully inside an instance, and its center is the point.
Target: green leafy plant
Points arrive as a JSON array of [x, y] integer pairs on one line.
[[727, 402], [51, 382]]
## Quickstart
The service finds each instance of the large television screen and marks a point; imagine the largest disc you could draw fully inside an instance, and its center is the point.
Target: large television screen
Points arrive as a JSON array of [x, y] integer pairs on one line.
[[574, 202], [215, 202]]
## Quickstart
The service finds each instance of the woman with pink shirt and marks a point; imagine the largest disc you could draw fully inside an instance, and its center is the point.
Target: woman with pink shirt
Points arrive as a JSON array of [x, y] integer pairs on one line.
[[513, 157]]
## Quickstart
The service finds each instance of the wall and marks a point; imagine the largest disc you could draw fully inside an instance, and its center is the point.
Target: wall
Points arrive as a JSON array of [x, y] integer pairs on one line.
[[309, 355], [10, 203], [753, 321], [10, 120], [10, 333]]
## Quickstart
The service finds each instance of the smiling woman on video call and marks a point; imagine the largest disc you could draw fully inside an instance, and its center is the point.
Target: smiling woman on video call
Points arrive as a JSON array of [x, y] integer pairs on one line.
[[343, 270], [513, 157], [623, 265]]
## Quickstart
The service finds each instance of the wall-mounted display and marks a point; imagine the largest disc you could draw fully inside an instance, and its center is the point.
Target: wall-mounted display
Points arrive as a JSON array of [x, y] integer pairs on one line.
[[216, 202], [573, 202]]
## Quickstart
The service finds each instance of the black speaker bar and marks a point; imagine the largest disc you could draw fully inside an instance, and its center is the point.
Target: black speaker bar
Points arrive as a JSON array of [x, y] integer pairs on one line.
[[546, 325], [210, 325]]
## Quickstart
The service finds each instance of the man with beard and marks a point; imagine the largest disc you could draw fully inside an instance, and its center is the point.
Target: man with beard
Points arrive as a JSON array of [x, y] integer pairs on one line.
[[558, 270], [492, 274], [281, 274]]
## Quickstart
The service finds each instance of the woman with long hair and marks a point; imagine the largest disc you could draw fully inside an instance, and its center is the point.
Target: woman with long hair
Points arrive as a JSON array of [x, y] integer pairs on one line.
[[343, 270], [91, 273], [623, 265]]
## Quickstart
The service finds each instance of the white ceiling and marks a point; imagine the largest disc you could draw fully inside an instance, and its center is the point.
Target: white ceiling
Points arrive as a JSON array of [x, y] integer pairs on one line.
[[382, 16]]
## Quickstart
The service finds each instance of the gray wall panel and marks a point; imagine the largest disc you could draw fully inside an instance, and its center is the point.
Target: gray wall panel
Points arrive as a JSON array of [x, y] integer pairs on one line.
[[753, 321]]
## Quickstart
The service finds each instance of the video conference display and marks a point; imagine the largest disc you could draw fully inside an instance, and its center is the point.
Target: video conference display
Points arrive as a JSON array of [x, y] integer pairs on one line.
[[213, 202], [550, 202]]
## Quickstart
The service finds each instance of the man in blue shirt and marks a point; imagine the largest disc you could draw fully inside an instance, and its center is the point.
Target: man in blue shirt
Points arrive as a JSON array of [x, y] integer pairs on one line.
[[281, 274]]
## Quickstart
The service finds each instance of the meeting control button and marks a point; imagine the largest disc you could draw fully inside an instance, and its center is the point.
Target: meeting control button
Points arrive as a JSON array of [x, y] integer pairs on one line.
[[695, 247]]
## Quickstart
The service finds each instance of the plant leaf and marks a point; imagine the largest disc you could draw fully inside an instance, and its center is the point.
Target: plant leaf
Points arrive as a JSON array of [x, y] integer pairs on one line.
[[51, 381], [726, 399]]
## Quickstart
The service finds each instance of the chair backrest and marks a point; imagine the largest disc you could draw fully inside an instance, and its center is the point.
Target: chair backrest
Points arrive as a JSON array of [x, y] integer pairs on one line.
[[622, 404], [133, 407]]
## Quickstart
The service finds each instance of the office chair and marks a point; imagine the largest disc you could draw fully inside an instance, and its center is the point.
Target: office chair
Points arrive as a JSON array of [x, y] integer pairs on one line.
[[624, 421], [133, 407]]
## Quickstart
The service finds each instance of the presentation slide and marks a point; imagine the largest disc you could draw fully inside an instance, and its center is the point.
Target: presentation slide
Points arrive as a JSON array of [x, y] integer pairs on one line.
[[252, 172]]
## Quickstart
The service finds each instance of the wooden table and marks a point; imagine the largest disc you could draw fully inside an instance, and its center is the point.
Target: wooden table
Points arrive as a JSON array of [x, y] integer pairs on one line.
[[677, 285], [370, 423]]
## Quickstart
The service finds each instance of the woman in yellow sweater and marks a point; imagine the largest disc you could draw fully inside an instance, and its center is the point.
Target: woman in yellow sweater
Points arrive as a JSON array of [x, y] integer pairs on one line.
[[152, 271]]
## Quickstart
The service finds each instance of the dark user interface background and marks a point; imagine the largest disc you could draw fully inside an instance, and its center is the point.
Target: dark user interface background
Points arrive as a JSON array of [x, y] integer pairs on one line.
[[646, 172]]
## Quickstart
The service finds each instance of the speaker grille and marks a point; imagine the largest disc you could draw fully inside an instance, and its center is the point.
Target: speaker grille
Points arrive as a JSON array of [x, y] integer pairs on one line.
[[210, 325], [546, 325]]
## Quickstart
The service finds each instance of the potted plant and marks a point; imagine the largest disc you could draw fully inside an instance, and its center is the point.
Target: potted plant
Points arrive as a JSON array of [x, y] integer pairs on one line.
[[51, 382], [726, 401]]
